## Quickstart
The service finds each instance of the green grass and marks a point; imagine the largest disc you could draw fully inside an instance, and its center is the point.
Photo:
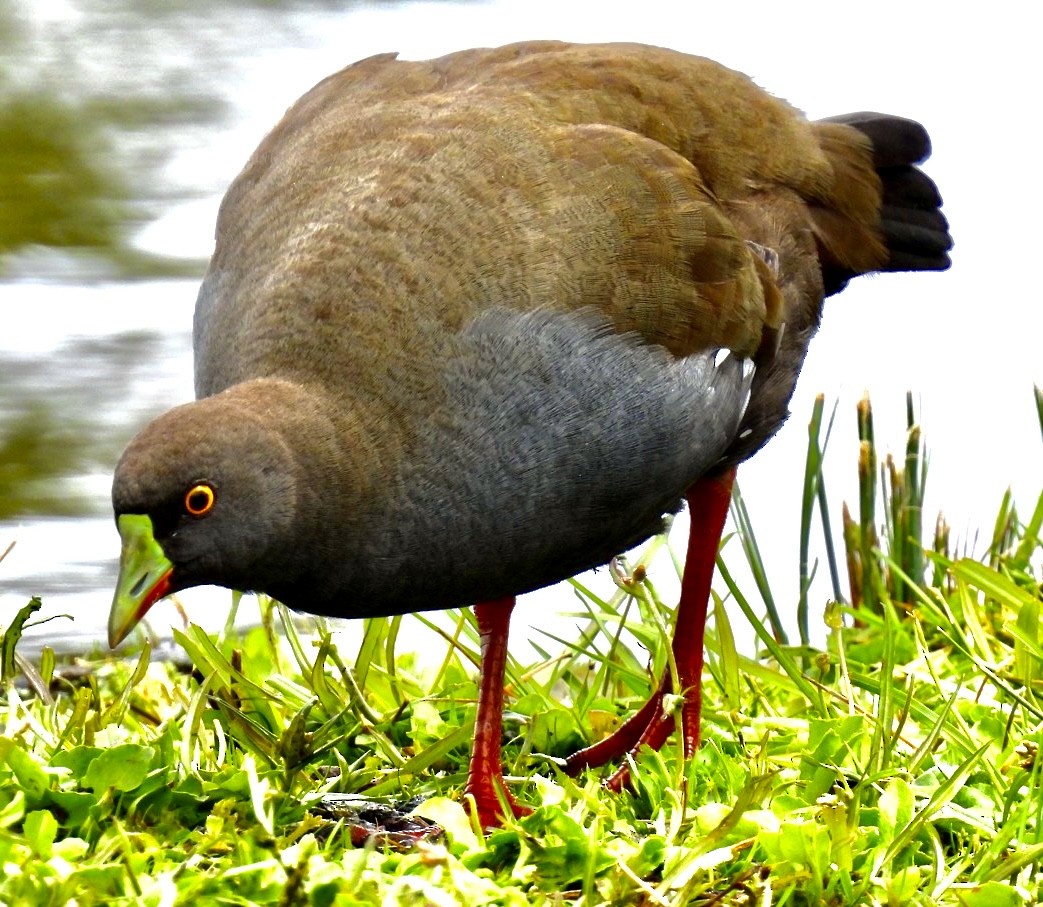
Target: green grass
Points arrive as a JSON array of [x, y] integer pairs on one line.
[[900, 765]]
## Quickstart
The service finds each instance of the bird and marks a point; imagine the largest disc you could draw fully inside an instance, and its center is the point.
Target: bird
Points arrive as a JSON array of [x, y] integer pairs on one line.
[[475, 324]]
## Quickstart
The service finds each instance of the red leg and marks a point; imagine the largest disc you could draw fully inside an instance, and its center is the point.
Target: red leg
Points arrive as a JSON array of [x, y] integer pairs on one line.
[[621, 740], [708, 501], [485, 775]]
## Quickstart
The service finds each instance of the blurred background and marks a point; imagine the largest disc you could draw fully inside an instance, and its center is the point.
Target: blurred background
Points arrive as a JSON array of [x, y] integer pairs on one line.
[[123, 121]]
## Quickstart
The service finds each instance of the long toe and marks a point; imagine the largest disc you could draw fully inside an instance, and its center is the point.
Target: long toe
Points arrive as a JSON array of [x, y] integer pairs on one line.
[[490, 797], [621, 741]]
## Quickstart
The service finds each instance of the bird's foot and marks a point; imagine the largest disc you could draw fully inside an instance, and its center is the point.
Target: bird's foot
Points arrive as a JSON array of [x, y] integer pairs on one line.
[[621, 741], [487, 796], [708, 501], [654, 736], [649, 726]]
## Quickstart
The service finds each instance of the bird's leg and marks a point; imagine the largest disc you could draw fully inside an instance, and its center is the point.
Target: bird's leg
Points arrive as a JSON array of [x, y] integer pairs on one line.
[[622, 739], [709, 497], [485, 776], [708, 501]]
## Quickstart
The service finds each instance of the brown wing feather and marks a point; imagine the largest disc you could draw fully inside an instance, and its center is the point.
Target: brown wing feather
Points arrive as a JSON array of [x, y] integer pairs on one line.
[[627, 178], [392, 163]]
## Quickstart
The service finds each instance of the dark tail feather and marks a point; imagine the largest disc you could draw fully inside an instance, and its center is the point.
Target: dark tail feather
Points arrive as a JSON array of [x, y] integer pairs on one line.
[[914, 229]]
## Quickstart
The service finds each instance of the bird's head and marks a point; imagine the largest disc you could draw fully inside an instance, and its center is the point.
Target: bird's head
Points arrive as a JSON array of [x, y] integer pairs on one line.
[[205, 494]]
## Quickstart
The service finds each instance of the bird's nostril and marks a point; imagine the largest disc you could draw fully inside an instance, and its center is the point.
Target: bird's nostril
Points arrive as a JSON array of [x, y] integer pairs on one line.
[[139, 586]]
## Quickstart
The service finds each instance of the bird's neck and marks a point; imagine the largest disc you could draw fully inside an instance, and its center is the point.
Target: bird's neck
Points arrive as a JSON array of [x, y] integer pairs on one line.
[[333, 454]]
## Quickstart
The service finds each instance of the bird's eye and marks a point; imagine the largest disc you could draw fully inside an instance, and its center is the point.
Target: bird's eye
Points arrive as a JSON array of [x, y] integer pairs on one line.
[[199, 500]]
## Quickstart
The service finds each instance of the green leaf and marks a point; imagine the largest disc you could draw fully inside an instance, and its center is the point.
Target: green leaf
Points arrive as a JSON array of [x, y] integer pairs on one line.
[[11, 638], [896, 807], [12, 808], [31, 776], [77, 759], [993, 584], [426, 723], [731, 684], [72, 806], [991, 894], [453, 819], [649, 857], [41, 829], [259, 790], [122, 768]]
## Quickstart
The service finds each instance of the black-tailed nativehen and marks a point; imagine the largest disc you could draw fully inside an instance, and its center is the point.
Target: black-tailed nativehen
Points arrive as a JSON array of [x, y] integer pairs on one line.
[[475, 324]]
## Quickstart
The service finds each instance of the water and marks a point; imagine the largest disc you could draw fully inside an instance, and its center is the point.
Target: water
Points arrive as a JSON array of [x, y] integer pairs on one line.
[[100, 357]]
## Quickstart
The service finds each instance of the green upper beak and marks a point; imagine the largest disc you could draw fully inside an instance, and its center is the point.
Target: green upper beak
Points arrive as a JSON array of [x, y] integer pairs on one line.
[[144, 576]]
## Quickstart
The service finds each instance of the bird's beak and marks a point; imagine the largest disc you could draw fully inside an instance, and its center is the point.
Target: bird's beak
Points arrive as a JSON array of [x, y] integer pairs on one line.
[[144, 576]]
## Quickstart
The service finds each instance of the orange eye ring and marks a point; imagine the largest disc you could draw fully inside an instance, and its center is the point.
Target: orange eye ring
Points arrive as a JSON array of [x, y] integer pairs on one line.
[[199, 500]]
